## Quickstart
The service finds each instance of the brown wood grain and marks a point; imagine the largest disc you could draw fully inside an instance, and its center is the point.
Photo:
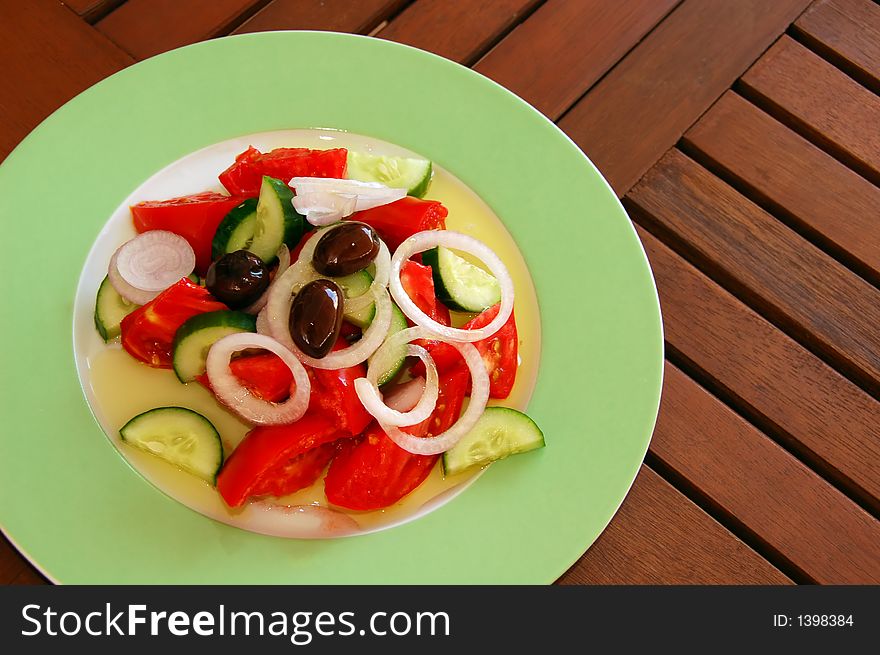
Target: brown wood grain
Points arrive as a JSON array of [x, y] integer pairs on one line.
[[49, 55], [660, 537], [11, 562], [800, 288], [793, 178], [846, 33], [330, 15], [565, 47], [455, 30], [88, 9], [790, 510], [819, 101], [811, 408], [641, 107], [145, 28]]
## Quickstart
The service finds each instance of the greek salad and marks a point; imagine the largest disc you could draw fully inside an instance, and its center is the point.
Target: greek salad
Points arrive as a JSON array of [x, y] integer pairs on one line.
[[313, 300]]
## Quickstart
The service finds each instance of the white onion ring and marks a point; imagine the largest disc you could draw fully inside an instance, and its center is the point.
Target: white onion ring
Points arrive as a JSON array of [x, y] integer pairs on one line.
[[150, 263], [422, 241], [263, 322], [367, 194], [367, 388], [479, 397], [231, 393], [283, 265]]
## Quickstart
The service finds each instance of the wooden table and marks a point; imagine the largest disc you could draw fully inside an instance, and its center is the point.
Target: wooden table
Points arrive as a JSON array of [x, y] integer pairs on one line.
[[744, 139]]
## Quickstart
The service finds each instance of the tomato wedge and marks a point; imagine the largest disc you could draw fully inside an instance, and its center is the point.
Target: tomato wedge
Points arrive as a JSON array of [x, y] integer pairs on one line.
[[333, 394], [148, 332], [500, 353], [246, 174], [418, 282], [374, 472], [278, 459], [195, 218], [264, 375], [399, 220]]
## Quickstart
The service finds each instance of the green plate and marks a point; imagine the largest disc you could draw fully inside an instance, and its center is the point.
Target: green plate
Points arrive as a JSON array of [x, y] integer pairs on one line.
[[82, 516]]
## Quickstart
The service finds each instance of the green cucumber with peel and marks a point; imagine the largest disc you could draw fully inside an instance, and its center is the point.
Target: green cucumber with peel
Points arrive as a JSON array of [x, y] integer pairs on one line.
[[459, 284], [277, 221], [236, 230], [408, 173], [180, 436], [194, 339], [110, 309], [498, 433]]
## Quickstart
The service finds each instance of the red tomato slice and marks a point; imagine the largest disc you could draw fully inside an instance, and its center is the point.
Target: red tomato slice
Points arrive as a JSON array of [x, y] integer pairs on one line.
[[500, 353], [375, 472], [264, 375], [399, 220], [148, 332], [418, 282], [333, 394], [277, 459], [246, 174], [195, 218]]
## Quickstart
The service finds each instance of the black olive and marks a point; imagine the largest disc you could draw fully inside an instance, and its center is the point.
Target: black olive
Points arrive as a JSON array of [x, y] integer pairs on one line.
[[346, 249], [238, 279], [316, 317]]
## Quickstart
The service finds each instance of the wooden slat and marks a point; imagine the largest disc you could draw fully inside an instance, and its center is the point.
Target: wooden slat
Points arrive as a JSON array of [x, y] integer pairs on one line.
[[11, 562], [460, 31], [660, 537], [642, 107], [822, 103], [750, 479], [145, 28], [816, 299], [88, 9], [815, 411], [565, 47], [847, 33], [330, 15], [49, 55], [29, 576], [798, 181]]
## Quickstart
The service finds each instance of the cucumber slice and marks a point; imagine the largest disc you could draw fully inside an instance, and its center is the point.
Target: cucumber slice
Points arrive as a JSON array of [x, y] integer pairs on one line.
[[414, 175], [353, 286], [499, 432], [194, 339], [460, 284], [398, 323], [179, 436], [276, 222], [236, 230], [110, 309]]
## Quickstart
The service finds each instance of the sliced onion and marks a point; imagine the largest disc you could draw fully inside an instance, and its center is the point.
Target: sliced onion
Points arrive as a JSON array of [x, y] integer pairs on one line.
[[149, 263], [231, 393], [479, 397], [367, 194], [323, 207], [368, 390], [283, 265], [428, 239], [263, 322]]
